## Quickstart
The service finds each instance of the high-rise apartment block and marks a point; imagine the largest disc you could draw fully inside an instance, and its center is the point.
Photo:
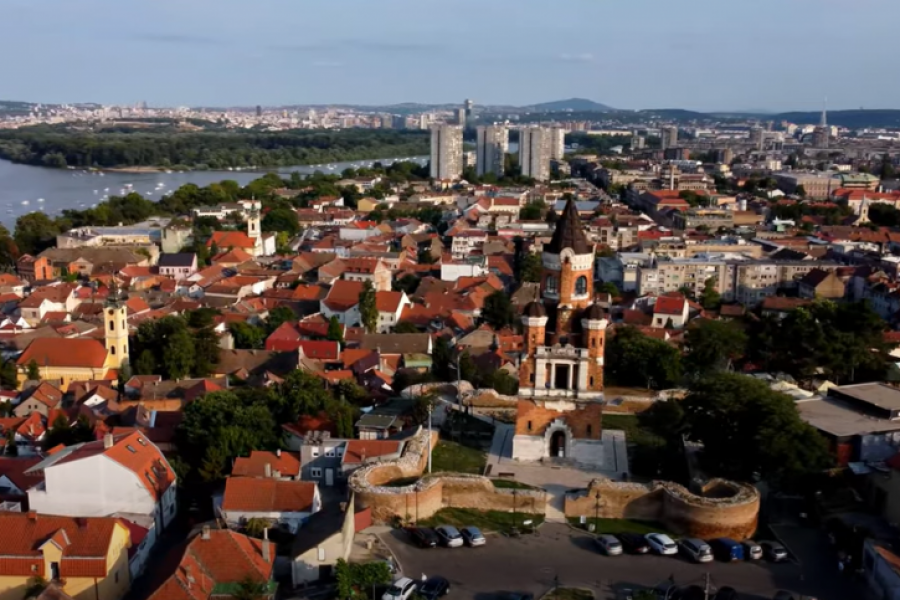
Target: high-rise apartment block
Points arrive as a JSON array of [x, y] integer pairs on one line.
[[557, 143], [534, 152], [493, 143], [446, 151], [669, 138]]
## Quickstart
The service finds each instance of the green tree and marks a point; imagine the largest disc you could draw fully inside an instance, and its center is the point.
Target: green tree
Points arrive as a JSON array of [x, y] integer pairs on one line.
[[608, 287], [35, 232], [368, 311], [9, 250], [749, 431], [145, 364], [60, 432], [206, 351], [502, 382], [886, 170], [532, 211], [634, 359], [281, 219], [710, 298], [408, 284], [441, 359], [713, 345], [405, 327], [335, 331], [256, 527], [36, 585], [801, 191], [358, 579], [531, 268], [498, 310], [278, 316], [34, 372], [251, 589], [247, 336]]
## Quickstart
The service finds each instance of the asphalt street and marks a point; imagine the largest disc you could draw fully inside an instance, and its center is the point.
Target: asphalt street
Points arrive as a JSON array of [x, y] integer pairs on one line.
[[531, 564]]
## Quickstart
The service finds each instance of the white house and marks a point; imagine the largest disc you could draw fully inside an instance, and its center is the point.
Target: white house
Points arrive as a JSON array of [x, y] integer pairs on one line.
[[342, 302], [359, 231], [465, 242], [474, 266], [390, 306], [285, 504], [123, 474], [178, 265], [670, 311]]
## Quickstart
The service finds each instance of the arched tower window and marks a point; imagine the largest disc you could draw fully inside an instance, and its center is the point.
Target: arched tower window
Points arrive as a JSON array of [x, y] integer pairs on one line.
[[551, 284], [112, 325], [581, 285]]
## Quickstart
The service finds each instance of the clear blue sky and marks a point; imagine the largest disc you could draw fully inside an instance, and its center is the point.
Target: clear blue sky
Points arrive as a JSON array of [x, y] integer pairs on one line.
[[697, 54]]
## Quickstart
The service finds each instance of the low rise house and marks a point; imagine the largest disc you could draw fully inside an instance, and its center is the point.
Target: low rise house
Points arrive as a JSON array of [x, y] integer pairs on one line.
[[178, 265], [214, 565], [670, 311], [86, 558], [285, 504], [269, 465]]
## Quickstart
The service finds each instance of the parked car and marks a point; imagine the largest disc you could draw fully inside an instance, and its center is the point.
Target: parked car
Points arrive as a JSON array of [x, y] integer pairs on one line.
[[608, 544], [473, 536], [513, 596], [449, 536], [696, 549], [726, 549], [661, 543], [752, 550], [401, 589], [434, 587], [423, 537], [634, 543], [773, 551]]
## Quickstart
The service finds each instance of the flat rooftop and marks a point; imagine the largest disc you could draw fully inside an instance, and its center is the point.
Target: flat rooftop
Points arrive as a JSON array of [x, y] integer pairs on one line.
[[841, 419], [876, 394]]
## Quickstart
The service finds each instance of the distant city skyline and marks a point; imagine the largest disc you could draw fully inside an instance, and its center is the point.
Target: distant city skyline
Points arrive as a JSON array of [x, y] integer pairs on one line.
[[704, 55]]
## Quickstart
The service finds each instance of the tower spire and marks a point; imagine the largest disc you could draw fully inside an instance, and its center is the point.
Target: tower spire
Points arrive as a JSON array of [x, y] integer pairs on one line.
[[823, 122]]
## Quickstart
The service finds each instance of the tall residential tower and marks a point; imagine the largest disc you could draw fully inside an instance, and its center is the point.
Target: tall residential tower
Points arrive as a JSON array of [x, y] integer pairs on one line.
[[493, 144], [446, 151], [534, 152]]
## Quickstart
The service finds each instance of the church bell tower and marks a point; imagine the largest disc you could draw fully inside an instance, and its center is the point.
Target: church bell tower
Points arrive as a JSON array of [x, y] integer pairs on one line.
[[115, 324]]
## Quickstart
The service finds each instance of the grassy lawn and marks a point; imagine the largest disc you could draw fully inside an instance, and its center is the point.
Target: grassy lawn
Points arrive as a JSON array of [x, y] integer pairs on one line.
[[468, 430], [456, 458], [491, 520], [569, 594], [646, 450], [615, 526], [511, 484]]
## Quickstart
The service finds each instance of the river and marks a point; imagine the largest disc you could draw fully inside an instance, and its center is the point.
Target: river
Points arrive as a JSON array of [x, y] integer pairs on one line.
[[25, 188]]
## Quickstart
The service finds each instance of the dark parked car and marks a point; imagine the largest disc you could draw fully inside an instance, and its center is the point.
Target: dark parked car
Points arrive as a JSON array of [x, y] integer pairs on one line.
[[634, 543], [782, 595], [434, 587], [727, 549], [423, 537], [449, 536], [773, 551], [513, 596]]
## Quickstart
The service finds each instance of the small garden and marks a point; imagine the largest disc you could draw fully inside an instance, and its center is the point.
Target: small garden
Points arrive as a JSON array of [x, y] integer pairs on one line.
[[453, 457], [485, 520], [617, 526]]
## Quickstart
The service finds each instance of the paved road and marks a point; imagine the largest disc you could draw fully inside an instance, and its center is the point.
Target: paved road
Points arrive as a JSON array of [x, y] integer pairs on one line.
[[530, 564]]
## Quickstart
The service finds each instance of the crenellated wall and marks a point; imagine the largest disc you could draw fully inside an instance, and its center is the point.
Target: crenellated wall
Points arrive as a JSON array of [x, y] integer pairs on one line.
[[431, 493], [724, 508]]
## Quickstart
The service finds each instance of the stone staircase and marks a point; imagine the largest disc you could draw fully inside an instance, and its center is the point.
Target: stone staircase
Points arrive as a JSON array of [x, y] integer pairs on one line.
[[555, 512]]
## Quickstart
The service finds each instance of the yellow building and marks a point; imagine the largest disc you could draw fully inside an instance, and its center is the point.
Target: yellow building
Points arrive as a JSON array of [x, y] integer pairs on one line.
[[87, 557], [81, 359]]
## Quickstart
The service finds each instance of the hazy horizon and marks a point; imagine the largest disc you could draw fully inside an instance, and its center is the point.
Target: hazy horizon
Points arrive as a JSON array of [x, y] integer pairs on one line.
[[703, 55]]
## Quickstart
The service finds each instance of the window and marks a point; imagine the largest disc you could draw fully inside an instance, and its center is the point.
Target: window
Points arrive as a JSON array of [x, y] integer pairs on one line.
[[589, 428], [131, 449], [321, 553], [112, 324], [581, 285], [315, 473], [551, 285], [340, 451], [529, 425], [592, 382], [329, 452], [112, 350], [315, 452]]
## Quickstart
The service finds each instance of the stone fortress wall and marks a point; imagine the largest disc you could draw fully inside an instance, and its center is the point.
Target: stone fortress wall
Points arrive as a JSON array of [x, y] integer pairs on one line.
[[722, 509], [431, 493]]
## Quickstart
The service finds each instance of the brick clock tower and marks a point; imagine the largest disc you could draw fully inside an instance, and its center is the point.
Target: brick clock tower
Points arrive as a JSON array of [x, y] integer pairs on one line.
[[561, 368], [565, 332]]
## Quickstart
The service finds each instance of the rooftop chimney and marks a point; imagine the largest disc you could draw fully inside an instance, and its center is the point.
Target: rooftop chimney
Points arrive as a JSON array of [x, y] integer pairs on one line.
[[265, 546], [278, 453], [205, 532], [108, 441], [32, 515], [268, 470]]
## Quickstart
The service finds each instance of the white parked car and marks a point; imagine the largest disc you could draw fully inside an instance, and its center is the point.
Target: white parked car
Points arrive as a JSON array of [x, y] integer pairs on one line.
[[449, 536], [401, 589], [661, 543]]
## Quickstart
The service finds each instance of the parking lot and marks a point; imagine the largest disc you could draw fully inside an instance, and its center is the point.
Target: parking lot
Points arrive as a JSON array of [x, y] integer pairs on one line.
[[530, 564]]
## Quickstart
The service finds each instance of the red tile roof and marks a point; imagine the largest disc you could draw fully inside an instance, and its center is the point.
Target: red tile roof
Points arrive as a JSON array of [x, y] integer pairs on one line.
[[84, 542], [343, 295], [230, 239], [65, 352], [324, 350], [286, 463], [358, 451], [388, 302], [268, 495], [669, 305]]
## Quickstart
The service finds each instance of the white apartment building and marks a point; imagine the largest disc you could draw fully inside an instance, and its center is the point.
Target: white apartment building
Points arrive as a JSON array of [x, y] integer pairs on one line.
[[446, 151], [534, 152], [493, 144], [557, 143]]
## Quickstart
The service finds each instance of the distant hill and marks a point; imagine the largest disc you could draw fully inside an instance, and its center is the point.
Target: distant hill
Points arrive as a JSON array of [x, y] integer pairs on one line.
[[570, 105]]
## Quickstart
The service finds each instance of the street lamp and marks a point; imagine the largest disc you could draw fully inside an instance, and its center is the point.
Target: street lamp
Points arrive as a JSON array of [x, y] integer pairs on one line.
[[430, 408]]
